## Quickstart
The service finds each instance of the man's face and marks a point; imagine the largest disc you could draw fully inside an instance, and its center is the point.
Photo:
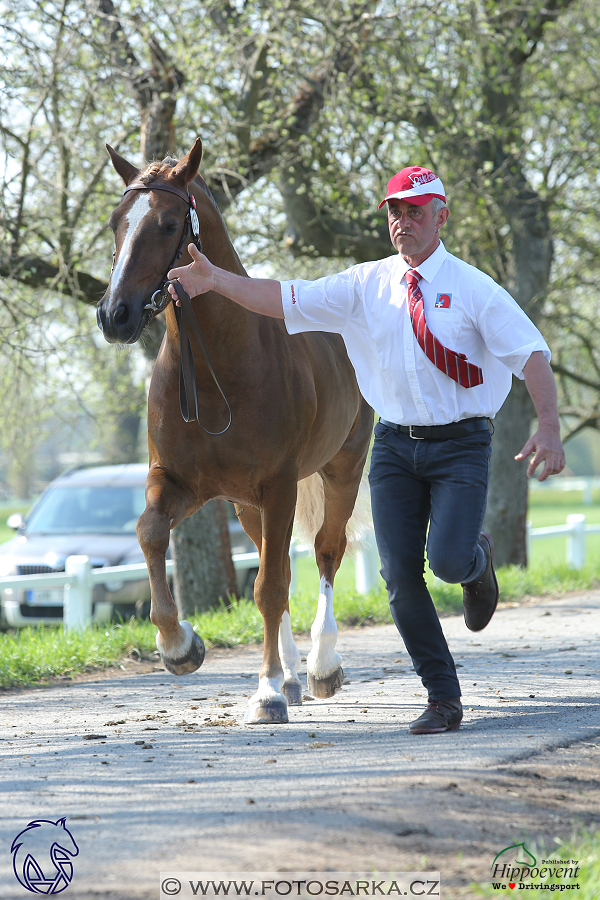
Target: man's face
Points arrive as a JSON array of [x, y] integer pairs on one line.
[[414, 229]]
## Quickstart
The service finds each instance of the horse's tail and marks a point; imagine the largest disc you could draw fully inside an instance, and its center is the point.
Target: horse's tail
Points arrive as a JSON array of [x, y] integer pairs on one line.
[[310, 507]]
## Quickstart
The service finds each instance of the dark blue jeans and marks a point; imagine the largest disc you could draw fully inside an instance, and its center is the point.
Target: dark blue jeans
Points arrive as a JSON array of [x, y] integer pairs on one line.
[[415, 485]]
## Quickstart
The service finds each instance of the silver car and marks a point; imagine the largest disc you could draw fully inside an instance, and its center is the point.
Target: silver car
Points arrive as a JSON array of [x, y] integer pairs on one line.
[[91, 512]]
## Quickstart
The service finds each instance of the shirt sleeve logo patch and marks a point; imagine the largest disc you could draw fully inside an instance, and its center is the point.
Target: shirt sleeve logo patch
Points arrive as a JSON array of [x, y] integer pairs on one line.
[[443, 301], [293, 294]]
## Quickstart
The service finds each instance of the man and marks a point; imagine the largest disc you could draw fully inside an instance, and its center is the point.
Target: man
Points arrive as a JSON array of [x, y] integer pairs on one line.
[[434, 343]]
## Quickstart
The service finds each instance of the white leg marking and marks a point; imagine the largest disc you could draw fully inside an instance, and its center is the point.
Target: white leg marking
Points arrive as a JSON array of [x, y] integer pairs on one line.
[[322, 659], [268, 689], [268, 695], [134, 218], [288, 652], [177, 648]]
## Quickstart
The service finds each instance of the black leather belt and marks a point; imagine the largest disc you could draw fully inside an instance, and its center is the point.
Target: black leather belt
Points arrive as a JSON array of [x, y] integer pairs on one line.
[[440, 432]]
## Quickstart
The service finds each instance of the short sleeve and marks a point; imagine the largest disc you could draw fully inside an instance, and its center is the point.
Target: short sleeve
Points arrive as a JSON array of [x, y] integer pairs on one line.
[[322, 305], [508, 333]]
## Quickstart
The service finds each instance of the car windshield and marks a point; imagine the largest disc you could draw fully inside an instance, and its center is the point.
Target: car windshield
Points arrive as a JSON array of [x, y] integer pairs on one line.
[[87, 510]]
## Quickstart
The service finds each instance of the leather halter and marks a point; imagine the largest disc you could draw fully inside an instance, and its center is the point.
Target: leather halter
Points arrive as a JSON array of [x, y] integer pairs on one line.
[[184, 314]]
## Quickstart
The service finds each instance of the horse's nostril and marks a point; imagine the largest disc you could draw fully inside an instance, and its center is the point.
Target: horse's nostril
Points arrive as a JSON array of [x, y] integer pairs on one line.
[[122, 315]]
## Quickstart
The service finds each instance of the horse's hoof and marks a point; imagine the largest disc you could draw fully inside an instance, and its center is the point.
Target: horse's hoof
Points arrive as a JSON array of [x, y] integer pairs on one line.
[[292, 690], [191, 660], [325, 687], [271, 712]]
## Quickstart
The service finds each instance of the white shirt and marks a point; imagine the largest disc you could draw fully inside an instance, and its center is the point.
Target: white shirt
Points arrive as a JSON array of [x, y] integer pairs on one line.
[[466, 311]]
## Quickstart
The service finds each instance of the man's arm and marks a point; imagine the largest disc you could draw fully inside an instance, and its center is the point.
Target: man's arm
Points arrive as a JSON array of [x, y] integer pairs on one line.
[[261, 295], [545, 444]]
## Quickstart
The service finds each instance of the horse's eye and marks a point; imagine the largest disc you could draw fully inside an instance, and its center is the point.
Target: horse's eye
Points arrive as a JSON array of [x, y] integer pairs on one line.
[[171, 228]]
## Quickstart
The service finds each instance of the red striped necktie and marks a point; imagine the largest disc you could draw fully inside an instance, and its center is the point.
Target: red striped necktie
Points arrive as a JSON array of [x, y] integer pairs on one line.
[[453, 364]]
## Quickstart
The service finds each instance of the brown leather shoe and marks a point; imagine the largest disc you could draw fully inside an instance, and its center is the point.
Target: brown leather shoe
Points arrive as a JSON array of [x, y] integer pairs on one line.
[[480, 598], [440, 715]]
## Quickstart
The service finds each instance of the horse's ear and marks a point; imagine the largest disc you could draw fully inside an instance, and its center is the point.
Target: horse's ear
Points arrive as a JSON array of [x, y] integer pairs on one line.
[[187, 168], [125, 169]]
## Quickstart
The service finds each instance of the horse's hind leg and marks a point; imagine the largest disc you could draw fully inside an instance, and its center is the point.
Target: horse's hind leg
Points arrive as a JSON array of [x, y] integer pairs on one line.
[[324, 672], [341, 481], [289, 656], [269, 705], [181, 649]]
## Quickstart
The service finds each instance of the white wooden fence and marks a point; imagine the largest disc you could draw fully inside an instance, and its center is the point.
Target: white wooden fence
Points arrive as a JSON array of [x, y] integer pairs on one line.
[[584, 483], [79, 577], [575, 531]]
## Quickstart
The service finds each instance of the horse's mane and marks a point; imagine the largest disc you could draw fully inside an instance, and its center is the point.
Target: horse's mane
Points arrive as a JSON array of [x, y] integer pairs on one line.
[[149, 172]]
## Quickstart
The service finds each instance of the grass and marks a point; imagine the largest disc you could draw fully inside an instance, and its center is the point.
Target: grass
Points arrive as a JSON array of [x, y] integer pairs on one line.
[[35, 654], [584, 848]]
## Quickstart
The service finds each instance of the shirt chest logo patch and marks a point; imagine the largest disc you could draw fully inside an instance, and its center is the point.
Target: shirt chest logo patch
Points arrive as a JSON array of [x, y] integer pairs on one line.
[[443, 301]]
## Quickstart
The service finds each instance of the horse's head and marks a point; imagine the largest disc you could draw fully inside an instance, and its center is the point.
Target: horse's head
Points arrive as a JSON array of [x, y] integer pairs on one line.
[[148, 226]]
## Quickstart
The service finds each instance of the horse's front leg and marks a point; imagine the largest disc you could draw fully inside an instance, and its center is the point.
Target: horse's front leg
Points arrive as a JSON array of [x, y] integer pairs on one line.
[[269, 704], [181, 649], [251, 521]]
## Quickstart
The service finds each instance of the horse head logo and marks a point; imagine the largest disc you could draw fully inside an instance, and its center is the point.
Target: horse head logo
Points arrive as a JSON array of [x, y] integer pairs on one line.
[[41, 856], [530, 861]]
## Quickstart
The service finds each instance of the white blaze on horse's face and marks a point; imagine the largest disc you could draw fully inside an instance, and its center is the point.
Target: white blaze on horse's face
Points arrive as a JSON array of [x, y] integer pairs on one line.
[[134, 219]]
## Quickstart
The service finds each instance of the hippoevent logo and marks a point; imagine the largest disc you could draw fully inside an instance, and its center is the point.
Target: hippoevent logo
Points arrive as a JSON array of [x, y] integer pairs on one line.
[[42, 856], [510, 873]]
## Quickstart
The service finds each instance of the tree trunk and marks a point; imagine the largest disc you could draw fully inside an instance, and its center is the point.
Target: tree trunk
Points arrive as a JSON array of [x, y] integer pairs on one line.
[[532, 251], [506, 513], [204, 572], [200, 544]]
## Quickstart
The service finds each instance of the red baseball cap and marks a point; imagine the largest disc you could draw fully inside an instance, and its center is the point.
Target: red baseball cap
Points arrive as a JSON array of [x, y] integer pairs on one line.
[[416, 185]]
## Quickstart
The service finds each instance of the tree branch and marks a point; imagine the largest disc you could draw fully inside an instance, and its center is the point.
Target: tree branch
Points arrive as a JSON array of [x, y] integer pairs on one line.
[[154, 88], [579, 379], [35, 272], [591, 422]]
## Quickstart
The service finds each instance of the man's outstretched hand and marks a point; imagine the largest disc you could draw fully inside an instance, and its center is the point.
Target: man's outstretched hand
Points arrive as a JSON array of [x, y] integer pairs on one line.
[[546, 446], [196, 278], [259, 295]]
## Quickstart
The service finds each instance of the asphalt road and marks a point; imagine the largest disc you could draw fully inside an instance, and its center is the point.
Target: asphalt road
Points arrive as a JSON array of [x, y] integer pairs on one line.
[[155, 772]]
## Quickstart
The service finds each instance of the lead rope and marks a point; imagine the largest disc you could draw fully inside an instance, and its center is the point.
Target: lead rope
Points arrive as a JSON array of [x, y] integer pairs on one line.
[[187, 372]]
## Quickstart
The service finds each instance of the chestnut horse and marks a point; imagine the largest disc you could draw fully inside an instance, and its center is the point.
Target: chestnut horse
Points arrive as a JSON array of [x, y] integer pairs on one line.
[[296, 412]]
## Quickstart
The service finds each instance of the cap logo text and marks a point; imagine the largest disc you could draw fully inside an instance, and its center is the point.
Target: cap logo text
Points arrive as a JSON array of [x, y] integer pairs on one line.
[[422, 178]]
